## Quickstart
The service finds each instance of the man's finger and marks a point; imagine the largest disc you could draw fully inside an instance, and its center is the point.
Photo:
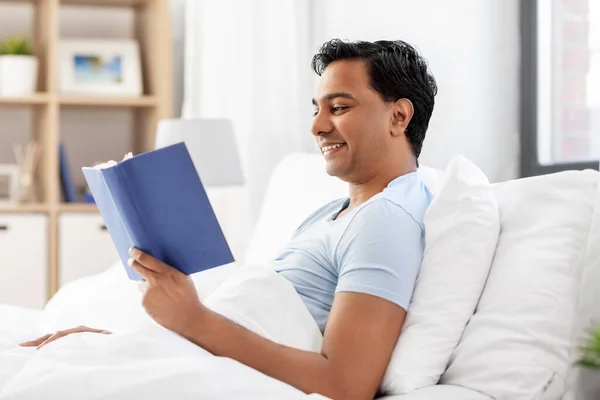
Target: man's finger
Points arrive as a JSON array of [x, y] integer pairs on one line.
[[44, 340], [105, 332], [35, 342], [146, 273], [64, 333], [147, 261], [84, 329], [52, 338]]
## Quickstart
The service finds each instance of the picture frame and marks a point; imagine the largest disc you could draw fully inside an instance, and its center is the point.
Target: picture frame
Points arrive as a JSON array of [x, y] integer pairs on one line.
[[9, 184], [100, 67]]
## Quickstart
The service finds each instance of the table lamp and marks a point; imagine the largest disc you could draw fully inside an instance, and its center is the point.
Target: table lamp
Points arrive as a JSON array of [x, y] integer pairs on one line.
[[212, 146]]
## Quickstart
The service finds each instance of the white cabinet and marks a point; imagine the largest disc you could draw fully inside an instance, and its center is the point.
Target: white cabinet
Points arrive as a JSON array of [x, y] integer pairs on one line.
[[85, 247], [23, 260]]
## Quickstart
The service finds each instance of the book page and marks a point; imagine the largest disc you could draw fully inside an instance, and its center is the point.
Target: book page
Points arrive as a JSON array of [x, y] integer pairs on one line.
[[110, 163]]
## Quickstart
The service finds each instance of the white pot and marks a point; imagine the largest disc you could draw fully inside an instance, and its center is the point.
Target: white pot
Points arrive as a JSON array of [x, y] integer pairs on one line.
[[587, 384], [18, 75]]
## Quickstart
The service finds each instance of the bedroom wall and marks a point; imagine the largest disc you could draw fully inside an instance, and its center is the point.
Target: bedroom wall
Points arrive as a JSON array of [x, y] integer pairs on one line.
[[472, 47], [473, 50]]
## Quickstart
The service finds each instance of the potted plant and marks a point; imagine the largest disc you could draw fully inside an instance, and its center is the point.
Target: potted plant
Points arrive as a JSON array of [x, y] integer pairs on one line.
[[18, 67], [588, 385]]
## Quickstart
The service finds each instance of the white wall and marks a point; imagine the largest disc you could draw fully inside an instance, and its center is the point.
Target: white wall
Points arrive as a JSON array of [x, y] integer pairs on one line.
[[473, 50]]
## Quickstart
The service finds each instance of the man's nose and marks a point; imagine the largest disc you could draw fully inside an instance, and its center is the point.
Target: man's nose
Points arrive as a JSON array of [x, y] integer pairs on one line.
[[321, 124]]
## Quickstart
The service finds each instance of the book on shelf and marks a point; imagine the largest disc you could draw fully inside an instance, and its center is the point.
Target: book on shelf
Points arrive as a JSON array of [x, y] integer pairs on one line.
[[66, 180]]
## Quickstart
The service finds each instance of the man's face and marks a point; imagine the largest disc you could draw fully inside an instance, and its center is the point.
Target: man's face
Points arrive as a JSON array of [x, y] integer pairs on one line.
[[353, 117]]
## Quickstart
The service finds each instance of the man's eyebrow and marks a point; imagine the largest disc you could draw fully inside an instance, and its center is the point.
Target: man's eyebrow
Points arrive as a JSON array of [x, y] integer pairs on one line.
[[334, 95]]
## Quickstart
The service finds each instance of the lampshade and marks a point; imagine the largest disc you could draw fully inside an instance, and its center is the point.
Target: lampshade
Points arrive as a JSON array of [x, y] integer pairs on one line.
[[212, 147]]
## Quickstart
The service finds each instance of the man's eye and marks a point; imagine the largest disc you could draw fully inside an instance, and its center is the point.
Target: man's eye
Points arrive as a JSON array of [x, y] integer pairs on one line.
[[315, 113], [338, 109]]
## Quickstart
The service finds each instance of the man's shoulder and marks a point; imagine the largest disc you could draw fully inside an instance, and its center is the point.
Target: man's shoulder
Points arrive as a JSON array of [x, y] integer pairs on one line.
[[381, 212], [397, 203], [382, 229]]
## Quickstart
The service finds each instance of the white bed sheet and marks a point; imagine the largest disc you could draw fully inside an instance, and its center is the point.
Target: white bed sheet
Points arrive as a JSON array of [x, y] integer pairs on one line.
[[140, 359], [152, 363]]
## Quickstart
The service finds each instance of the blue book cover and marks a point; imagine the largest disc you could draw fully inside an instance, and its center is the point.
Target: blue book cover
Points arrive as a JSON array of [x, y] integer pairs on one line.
[[156, 202], [65, 176]]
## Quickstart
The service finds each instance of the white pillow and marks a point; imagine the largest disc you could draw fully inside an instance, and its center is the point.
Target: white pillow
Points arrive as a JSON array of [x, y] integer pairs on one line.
[[518, 344], [461, 232], [298, 186], [588, 310]]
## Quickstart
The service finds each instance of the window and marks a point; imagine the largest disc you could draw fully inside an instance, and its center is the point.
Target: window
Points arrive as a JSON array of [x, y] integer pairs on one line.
[[560, 85]]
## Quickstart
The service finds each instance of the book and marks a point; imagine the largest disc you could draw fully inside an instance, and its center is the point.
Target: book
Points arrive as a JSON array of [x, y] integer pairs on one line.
[[155, 201], [68, 188]]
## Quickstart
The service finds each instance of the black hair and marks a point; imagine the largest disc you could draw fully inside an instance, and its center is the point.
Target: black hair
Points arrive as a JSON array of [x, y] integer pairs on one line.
[[396, 71]]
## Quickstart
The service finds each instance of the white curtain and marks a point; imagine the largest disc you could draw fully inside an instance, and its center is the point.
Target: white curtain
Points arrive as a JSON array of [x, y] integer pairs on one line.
[[249, 61]]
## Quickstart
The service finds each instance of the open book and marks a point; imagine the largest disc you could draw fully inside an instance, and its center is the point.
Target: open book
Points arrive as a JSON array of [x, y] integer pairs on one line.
[[156, 202]]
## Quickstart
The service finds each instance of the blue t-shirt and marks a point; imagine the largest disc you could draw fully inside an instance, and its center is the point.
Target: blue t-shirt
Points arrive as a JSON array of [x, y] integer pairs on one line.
[[375, 248]]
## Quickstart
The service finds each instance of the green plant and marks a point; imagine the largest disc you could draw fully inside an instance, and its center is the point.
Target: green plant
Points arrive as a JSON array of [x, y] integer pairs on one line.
[[590, 356], [16, 45]]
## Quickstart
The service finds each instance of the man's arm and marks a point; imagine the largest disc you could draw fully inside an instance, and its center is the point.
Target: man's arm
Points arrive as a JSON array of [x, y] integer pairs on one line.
[[361, 333]]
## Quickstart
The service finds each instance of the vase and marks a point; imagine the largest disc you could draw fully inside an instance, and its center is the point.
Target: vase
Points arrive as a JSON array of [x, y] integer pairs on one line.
[[18, 75]]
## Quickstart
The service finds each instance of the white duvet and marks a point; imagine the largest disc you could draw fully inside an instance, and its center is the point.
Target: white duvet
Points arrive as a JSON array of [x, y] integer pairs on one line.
[[141, 359]]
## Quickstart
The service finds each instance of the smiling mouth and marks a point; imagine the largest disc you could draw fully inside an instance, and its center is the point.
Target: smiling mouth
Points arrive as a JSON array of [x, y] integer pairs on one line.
[[332, 148]]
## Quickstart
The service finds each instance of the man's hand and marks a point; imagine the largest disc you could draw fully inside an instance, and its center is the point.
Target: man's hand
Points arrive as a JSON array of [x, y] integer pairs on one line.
[[44, 340], [170, 298]]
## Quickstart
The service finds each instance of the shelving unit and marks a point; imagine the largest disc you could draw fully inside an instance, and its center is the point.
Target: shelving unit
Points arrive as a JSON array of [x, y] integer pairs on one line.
[[153, 32]]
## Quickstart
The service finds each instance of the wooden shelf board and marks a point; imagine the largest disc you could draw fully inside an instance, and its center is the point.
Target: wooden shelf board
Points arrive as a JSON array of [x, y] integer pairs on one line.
[[23, 208], [71, 100], [18, 1], [35, 99], [78, 207], [126, 3]]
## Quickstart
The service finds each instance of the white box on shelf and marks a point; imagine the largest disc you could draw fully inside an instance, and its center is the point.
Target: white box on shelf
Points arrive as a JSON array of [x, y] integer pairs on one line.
[[24, 253], [85, 246]]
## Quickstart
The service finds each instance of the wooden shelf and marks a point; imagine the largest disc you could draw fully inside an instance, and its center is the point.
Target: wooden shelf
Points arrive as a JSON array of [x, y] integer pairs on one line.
[[106, 101], [78, 208], [111, 3], [125, 3], [35, 99], [24, 208], [18, 1]]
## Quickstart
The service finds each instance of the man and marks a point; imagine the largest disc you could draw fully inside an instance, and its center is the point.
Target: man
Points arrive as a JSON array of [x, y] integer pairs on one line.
[[354, 261]]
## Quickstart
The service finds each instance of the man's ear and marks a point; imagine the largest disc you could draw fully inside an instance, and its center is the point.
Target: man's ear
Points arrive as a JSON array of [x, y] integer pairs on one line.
[[402, 114]]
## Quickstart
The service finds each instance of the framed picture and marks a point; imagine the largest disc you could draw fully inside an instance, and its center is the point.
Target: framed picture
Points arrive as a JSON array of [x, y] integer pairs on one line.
[[9, 184], [100, 67]]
